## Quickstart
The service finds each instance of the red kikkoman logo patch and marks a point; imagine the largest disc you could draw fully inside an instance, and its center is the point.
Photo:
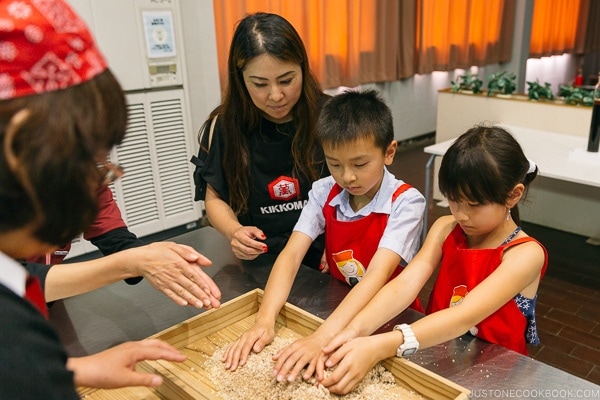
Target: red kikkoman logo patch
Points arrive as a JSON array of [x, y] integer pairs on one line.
[[284, 188]]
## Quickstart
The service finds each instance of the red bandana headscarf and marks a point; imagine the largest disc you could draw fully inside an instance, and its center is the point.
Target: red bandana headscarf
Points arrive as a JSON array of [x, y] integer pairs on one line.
[[44, 46]]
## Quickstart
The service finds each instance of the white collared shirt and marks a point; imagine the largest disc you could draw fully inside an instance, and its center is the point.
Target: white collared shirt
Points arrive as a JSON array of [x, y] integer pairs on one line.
[[12, 274], [405, 222]]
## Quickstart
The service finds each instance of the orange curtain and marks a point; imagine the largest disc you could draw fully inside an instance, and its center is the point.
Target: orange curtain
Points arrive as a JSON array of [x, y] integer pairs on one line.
[[462, 33], [555, 27], [349, 42]]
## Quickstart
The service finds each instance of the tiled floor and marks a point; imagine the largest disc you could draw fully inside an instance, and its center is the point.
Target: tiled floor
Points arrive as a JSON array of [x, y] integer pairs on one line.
[[568, 308]]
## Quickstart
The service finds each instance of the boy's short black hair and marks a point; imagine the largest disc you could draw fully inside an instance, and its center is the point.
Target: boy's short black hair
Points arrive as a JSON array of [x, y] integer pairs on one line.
[[353, 115]]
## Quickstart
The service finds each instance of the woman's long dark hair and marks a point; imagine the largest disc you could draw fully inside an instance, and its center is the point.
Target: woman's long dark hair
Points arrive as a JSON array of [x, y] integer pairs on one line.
[[258, 34], [57, 147], [483, 165]]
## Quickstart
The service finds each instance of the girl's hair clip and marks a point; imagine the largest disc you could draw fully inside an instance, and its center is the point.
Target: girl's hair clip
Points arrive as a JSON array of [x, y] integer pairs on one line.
[[532, 167]]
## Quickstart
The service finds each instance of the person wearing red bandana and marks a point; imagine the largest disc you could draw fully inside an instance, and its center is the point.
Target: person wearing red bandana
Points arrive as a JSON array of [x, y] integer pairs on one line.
[[57, 62], [61, 111]]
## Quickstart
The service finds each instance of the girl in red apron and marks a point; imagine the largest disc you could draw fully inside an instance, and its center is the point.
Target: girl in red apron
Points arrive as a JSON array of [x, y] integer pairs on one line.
[[489, 269]]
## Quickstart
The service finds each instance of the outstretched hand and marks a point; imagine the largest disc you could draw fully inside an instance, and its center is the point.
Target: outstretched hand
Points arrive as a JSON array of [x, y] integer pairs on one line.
[[175, 270], [115, 367]]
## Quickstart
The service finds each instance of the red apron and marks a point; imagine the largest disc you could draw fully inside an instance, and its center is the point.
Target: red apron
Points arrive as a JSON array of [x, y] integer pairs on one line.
[[350, 245], [461, 270]]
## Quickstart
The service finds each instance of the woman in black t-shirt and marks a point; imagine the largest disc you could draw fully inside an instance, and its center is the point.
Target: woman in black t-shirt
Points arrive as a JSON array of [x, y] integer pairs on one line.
[[256, 166]]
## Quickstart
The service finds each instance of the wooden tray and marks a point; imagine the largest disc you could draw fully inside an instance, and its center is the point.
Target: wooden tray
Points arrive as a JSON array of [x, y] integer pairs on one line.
[[199, 336]]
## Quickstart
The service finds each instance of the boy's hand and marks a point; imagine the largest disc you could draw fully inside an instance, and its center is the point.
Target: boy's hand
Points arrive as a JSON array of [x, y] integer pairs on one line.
[[303, 353], [255, 339]]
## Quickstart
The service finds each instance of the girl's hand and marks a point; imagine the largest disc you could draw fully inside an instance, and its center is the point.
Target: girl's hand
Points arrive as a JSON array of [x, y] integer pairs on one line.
[[354, 360], [339, 340], [115, 367], [255, 339]]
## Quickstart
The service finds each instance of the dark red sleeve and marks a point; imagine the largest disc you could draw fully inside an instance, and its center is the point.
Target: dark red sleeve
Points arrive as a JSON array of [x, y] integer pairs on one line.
[[109, 215]]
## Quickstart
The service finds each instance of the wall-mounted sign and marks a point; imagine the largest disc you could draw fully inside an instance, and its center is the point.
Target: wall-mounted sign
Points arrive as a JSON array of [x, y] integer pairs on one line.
[[160, 38]]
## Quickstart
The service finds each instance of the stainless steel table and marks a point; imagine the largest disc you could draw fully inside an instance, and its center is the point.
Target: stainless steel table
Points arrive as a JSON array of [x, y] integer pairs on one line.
[[95, 321]]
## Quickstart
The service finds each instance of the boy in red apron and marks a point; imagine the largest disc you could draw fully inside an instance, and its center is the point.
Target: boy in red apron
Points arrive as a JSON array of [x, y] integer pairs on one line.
[[489, 269], [371, 222]]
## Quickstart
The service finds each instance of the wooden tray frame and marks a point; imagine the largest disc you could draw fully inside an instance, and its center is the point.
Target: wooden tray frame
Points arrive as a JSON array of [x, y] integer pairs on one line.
[[191, 385]]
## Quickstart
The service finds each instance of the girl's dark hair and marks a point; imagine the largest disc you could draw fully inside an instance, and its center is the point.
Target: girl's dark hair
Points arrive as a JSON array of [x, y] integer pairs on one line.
[[57, 148], [353, 115], [483, 166], [258, 34]]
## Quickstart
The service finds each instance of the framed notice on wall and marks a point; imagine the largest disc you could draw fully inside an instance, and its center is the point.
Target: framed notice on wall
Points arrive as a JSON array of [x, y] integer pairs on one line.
[[158, 29]]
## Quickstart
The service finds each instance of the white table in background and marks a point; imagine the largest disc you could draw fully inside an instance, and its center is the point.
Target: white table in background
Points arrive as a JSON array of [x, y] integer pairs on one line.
[[558, 156]]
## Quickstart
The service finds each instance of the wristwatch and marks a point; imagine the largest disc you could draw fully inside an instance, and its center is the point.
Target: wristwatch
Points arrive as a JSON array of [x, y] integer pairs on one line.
[[410, 345]]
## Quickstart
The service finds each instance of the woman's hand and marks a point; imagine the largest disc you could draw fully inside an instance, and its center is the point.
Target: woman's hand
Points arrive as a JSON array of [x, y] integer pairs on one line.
[[176, 270], [115, 367], [324, 266], [255, 339], [245, 245]]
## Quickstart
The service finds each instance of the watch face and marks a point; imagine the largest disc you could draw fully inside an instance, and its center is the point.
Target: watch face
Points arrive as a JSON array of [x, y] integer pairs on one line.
[[409, 352]]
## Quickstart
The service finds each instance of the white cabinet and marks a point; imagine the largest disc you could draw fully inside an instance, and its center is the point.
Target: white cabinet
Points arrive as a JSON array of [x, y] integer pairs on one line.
[[142, 39], [143, 42], [156, 192]]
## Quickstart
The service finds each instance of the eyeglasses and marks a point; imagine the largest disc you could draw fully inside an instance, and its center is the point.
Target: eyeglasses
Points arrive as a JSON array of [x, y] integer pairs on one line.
[[110, 172]]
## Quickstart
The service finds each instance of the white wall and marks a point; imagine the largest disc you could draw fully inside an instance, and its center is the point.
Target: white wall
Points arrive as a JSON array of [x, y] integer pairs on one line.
[[414, 101], [200, 60]]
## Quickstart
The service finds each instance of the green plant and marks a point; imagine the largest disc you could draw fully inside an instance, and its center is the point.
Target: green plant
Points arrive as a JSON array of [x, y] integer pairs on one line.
[[535, 91], [502, 83], [576, 95], [468, 81]]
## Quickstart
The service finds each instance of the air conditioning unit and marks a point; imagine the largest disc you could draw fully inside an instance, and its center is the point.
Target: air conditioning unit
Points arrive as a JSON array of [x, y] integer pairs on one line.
[[143, 42]]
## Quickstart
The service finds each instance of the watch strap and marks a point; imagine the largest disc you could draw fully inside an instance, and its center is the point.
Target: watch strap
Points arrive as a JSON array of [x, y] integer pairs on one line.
[[410, 344]]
